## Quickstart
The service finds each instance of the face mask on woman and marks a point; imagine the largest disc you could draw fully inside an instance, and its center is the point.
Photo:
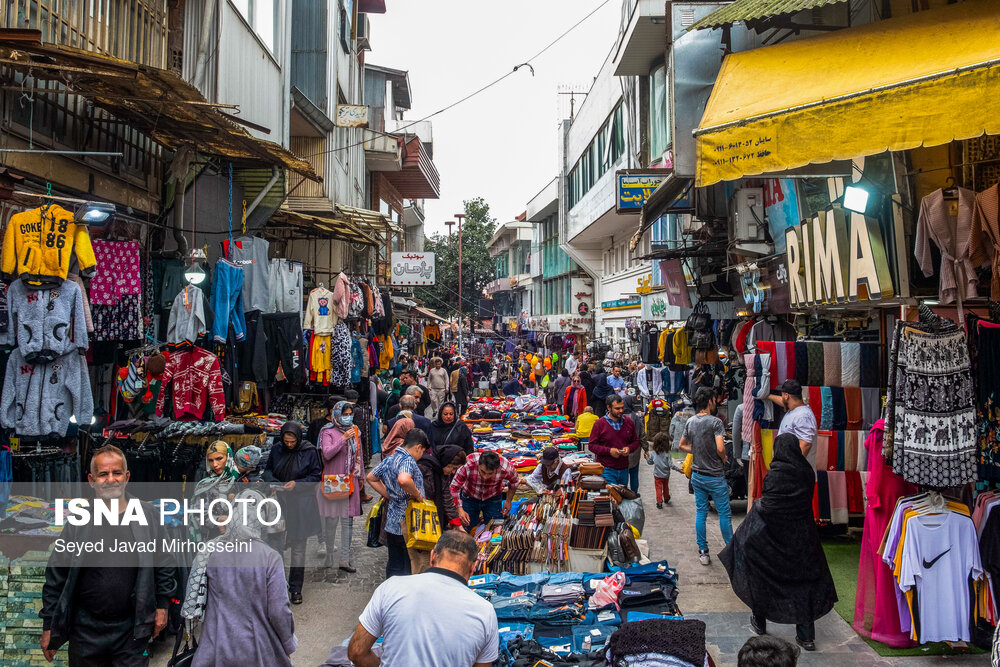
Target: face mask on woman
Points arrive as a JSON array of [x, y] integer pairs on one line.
[[347, 420]]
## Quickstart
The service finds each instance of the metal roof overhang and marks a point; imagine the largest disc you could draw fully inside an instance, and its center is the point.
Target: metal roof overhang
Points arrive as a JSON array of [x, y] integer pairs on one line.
[[372, 221], [154, 101], [914, 80], [332, 228], [429, 313], [755, 10]]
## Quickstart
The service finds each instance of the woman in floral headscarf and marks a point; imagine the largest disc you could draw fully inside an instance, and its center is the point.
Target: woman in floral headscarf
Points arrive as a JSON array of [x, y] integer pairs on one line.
[[220, 476], [340, 450]]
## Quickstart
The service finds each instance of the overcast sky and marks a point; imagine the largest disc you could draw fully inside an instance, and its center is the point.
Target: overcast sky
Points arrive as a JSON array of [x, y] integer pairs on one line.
[[500, 145]]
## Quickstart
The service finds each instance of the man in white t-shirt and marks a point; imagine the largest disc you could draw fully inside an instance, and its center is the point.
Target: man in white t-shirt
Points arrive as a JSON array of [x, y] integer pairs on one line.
[[799, 420], [431, 619]]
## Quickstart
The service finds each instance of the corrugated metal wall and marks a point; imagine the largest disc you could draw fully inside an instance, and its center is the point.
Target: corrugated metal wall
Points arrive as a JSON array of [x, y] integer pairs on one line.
[[309, 51]]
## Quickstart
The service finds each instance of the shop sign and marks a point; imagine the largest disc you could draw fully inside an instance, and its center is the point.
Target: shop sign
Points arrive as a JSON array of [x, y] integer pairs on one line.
[[583, 297], [349, 115], [672, 274], [560, 323], [621, 304], [635, 189], [644, 284], [657, 308], [839, 256], [412, 268]]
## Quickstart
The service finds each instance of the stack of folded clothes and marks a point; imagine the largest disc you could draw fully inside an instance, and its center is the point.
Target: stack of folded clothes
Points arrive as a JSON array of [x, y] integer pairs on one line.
[[649, 589]]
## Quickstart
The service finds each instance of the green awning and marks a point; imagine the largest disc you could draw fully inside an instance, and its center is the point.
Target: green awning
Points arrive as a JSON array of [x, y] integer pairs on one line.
[[751, 10]]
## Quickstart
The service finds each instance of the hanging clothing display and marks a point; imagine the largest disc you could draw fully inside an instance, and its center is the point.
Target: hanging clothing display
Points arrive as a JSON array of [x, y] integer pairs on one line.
[[320, 317], [876, 615], [118, 271], [227, 301], [286, 349], [285, 279], [194, 376], [119, 321], [46, 324], [39, 244], [340, 356], [249, 253], [933, 549], [946, 220], [40, 399], [319, 358], [933, 418], [984, 236], [187, 316]]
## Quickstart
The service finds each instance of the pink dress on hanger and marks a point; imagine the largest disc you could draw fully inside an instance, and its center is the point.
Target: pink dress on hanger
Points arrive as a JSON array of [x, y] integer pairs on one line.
[[876, 614]]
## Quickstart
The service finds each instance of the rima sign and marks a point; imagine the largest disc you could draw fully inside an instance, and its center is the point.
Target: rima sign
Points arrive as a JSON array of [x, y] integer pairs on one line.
[[837, 257]]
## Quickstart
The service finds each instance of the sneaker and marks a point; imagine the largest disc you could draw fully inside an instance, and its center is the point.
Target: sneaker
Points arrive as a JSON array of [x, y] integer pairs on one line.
[[806, 644], [295, 597], [704, 558], [757, 629], [321, 550], [659, 506], [666, 501], [347, 568]]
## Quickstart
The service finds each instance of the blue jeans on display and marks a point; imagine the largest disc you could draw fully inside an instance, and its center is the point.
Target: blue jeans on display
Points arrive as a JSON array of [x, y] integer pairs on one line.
[[706, 486], [227, 301], [619, 477], [491, 508], [633, 478]]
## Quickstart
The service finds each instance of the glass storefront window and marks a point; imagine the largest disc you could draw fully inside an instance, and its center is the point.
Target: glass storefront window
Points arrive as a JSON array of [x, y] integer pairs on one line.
[[659, 126]]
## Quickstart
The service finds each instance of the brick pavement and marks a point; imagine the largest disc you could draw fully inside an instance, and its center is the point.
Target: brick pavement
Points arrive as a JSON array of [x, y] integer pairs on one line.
[[331, 608]]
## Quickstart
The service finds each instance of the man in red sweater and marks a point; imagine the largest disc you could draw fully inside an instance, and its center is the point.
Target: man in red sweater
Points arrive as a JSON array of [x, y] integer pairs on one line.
[[612, 440]]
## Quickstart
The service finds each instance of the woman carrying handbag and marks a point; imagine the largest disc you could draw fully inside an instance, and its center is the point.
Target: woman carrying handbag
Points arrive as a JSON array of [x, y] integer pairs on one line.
[[339, 493]]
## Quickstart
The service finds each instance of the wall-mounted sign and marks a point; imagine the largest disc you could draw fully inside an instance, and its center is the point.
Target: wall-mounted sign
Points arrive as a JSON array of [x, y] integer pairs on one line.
[[583, 296], [349, 115], [644, 284], [634, 189], [781, 207], [839, 256], [412, 268], [621, 304], [657, 308]]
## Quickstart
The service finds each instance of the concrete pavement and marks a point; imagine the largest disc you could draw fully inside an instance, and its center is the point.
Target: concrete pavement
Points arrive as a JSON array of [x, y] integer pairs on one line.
[[331, 608]]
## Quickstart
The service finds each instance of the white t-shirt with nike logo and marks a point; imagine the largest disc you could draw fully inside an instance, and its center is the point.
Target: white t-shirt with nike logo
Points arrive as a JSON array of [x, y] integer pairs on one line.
[[940, 555]]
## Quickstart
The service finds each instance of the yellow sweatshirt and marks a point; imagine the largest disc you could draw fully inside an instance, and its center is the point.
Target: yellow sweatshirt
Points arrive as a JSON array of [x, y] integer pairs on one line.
[[585, 424], [39, 250], [682, 350]]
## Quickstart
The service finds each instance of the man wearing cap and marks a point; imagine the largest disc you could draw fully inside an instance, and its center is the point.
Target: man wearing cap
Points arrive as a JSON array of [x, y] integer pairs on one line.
[[550, 473], [799, 420]]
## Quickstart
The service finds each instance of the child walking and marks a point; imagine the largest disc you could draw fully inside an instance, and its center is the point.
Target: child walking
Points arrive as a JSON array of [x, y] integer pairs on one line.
[[661, 461]]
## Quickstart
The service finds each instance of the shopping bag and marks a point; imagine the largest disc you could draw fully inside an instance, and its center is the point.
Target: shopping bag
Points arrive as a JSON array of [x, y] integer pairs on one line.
[[686, 466], [338, 487], [376, 517], [423, 525]]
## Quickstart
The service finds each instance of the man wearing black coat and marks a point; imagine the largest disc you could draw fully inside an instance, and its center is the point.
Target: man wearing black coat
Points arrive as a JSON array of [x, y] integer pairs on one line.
[[109, 612], [408, 379]]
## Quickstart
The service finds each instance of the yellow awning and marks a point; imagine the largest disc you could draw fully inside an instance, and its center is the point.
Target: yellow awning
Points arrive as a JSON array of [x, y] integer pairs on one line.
[[918, 80]]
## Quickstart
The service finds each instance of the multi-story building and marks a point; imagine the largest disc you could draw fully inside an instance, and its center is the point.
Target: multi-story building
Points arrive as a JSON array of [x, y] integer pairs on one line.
[[510, 249], [563, 293]]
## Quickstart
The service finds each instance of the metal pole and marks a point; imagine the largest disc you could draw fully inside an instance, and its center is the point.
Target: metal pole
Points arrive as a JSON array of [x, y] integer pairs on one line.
[[461, 324]]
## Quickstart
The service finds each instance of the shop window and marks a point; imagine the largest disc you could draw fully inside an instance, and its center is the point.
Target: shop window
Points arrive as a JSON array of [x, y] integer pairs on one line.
[[659, 126], [262, 17], [346, 16]]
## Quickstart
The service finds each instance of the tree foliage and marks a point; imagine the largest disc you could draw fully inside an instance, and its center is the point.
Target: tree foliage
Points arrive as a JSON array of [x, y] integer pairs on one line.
[[477, 265]]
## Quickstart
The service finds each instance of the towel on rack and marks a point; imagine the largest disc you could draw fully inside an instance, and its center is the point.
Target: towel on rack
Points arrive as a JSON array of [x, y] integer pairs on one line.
[[815, 354], [855, 413], [826, 415], [815, 401], [839, 408], [838, 497], [870, 367], [871, 406], [801, 363]]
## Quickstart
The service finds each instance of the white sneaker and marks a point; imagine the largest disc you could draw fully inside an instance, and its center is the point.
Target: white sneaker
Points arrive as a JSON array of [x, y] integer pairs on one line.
[[704, 557], [321, 550]]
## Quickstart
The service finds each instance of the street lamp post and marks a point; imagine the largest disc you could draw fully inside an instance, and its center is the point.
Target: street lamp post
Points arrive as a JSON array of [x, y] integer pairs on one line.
[[461, 350]]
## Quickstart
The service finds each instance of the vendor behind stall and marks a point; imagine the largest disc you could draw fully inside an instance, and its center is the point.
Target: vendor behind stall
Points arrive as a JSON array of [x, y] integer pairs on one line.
[[551, 472]]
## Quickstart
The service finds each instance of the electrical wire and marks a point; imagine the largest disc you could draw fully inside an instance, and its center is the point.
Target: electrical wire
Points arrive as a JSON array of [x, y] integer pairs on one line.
[[526, 63]]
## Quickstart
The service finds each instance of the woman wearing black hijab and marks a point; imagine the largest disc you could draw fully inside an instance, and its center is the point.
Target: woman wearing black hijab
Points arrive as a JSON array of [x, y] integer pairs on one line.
[[775, 561], [449, 429]]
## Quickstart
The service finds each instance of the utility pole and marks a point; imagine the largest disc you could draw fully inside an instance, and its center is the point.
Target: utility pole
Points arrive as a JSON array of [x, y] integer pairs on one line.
[[460, 217]]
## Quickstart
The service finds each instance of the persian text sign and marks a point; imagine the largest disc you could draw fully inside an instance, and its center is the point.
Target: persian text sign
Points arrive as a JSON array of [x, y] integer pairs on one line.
[[412, 268], [351, 116], [635, 189]]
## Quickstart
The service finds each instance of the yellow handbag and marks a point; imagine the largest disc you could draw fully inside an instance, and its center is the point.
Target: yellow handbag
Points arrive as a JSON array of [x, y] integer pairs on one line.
[[423, 525], [686, 466]]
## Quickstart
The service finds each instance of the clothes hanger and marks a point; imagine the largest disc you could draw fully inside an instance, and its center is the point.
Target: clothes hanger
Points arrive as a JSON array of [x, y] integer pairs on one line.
[[950, 190]]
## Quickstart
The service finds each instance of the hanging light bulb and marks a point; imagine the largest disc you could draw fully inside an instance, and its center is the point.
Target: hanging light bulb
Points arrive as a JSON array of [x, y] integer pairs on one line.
[[195, 274]]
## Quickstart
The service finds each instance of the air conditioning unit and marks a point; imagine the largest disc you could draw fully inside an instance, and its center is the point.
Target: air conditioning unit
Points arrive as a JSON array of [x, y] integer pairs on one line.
[[746, 215], [364, 33]]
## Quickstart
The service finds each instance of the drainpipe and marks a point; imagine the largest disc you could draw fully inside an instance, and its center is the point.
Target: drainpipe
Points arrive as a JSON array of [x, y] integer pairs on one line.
[[206, 25], [275, 175]]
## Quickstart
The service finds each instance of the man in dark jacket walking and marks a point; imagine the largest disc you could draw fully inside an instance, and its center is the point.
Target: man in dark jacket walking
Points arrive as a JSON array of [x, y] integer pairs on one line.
[[108, 606]]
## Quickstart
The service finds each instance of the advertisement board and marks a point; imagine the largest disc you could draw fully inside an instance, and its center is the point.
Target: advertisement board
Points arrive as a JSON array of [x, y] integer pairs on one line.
[[412, 268]]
